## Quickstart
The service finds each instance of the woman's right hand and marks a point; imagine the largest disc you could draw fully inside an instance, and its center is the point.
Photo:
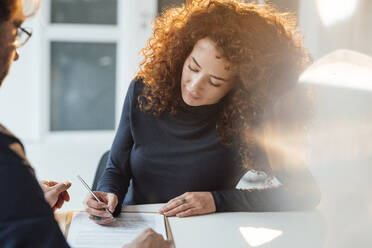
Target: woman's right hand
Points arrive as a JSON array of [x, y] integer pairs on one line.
[[98, 209]]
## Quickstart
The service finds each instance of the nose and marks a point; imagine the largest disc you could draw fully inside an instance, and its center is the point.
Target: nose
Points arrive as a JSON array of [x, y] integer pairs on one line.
[[16, 55], [196, 84]]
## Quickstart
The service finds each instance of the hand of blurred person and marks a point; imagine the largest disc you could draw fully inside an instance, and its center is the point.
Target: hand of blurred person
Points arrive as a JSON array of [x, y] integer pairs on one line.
[[189, 204], [55, 193], [97, 210], [148, 238]]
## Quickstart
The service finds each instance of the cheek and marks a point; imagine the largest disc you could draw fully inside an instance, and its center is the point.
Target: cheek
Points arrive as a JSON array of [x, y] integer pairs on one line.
[[185, 75]]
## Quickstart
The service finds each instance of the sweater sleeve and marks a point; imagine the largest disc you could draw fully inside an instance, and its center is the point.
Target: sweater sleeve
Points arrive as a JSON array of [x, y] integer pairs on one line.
[[26, 219], [117, 174], [298, 191]]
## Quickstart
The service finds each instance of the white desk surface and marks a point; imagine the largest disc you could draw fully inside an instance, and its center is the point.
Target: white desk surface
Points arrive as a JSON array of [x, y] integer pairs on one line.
[[244, 229]]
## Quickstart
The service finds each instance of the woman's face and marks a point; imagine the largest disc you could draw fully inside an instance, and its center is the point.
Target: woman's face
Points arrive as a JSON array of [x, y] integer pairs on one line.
[[206, 75]]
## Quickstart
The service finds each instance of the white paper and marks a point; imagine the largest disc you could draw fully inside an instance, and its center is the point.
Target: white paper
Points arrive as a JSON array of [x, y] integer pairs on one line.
[[84, 233]]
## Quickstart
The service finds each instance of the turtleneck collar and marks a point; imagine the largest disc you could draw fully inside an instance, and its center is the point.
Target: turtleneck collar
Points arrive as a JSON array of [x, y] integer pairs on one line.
[[200, 113]]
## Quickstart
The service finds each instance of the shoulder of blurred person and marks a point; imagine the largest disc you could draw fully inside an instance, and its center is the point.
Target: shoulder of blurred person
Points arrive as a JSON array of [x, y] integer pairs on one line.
[[12, 149], [26, 218]]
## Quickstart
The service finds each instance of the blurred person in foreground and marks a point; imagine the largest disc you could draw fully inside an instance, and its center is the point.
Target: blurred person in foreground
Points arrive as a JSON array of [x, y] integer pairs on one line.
[[26, 212]]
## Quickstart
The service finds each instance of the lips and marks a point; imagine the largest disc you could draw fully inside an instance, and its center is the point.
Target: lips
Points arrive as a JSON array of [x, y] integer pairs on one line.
[[192, 96]]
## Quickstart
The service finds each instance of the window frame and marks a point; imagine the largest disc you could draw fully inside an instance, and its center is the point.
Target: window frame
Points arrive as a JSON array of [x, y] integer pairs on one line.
[[129, 34]]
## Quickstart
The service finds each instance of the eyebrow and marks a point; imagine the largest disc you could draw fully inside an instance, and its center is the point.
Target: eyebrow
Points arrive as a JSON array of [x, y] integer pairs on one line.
[[218, 78]]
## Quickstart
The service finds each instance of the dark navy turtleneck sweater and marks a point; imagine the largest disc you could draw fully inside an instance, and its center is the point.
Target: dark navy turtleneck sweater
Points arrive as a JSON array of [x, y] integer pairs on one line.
[[156, 158]]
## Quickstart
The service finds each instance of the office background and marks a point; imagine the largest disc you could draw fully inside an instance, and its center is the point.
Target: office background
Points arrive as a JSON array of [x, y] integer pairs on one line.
[[64, 96]]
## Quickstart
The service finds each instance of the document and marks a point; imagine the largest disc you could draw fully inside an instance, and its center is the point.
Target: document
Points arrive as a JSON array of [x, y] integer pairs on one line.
[[84, 233]]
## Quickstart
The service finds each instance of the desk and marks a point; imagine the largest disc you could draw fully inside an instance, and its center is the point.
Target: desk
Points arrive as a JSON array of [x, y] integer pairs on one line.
[[242, 229]]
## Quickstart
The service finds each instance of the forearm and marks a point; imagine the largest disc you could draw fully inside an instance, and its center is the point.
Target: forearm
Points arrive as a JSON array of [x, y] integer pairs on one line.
[[117, 174]]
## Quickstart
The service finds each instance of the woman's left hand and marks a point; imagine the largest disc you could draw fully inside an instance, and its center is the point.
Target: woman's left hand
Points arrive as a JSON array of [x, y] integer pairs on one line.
[[189, 204]]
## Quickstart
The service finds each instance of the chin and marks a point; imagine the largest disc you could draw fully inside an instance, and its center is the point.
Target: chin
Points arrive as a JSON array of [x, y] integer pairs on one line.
[[190, 103]]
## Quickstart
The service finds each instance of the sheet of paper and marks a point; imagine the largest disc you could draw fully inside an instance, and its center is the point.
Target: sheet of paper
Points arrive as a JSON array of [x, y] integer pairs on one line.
[[84, 233]]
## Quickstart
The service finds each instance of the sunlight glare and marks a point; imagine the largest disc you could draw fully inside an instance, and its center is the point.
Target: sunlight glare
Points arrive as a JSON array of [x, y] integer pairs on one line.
[[342, 68], [333, 11], [259, 236]]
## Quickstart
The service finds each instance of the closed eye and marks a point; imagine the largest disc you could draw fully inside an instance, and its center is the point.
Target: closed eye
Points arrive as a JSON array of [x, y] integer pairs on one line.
[[192, 69], [210, 81], [214, 84]]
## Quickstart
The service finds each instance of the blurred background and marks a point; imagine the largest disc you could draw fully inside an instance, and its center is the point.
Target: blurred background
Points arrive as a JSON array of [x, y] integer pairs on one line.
[[64, 96]]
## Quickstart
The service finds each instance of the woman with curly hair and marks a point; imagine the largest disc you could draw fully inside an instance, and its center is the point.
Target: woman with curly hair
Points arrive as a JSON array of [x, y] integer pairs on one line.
[[192, 118]]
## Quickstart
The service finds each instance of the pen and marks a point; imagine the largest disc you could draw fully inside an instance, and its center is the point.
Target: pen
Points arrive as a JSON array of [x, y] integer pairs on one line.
[[94, 195]]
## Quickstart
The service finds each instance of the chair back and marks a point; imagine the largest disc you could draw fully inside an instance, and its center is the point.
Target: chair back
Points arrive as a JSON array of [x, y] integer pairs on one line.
[[101, 167]]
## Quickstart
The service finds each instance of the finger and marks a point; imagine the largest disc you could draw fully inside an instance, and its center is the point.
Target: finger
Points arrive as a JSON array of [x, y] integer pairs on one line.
[[92, 203], [65, 195], [102, 196], [59, 188], [172, 204], [43, 182], [59, 203], [48, 182], [51, 183], [62, 198], [103, 221], [67, 184], [187, 213], [179, 209], [169, 206], [112, 202], [99, 213]]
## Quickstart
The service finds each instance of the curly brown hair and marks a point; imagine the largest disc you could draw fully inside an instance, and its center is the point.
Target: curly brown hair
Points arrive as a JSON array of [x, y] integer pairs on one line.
[[263, 45]]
